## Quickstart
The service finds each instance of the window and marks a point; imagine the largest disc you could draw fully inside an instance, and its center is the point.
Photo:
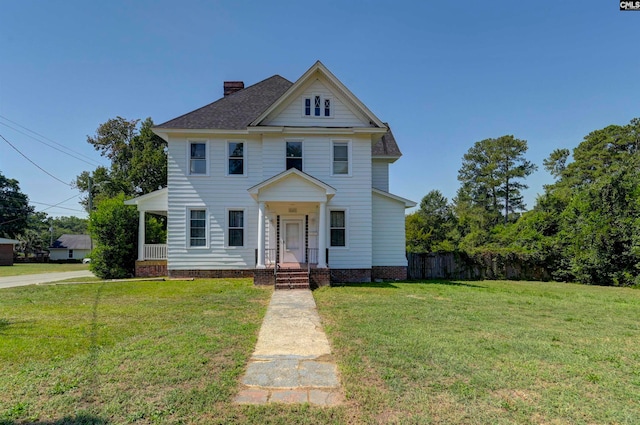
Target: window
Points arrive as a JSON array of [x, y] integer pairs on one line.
[[321, 106], [341, 158], [197, 228], [236, 158], [71, 254], [307, 106], [198, 158], [236, 228], [338, 228], [294, 155]]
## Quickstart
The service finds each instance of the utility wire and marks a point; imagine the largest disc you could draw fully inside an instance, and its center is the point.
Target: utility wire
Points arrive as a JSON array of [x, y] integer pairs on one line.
[[92, 162], [47, 144], [37, 166], [56, 206]]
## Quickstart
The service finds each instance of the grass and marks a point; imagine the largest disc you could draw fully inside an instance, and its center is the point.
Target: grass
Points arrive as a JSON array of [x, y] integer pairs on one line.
[[487, 352], [19, 269], [432, 352], [134, 352]]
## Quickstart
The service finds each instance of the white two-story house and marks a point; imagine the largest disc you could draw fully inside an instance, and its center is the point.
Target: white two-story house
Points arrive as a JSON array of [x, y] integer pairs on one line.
[[276, 176]]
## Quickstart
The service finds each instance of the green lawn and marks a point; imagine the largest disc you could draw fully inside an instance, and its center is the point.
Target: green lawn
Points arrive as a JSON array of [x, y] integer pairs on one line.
[[487, 352], [435, 353], [134, 352], [20, 269]]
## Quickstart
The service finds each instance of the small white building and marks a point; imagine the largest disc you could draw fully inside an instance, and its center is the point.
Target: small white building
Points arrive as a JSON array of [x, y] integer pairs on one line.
[[70, 247], [281, 174]]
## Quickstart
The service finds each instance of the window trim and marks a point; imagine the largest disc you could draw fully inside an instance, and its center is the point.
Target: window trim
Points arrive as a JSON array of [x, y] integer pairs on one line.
[[285, 152], [206, 157], [346, 228], [311, 98], [349, 172], [244, 158], [227, 228], [189, 209]]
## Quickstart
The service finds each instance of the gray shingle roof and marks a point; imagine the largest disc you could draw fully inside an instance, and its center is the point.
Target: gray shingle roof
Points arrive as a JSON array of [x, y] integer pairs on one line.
[[386, 146], [73, 242], [236, 111]]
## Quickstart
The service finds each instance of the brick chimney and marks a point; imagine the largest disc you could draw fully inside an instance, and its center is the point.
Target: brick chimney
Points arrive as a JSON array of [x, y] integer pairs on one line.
[[231, 87]]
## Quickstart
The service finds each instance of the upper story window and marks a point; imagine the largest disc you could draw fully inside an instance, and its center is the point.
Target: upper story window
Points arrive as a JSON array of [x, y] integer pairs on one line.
[[317, 106], [235, 158], [340, 158], [294, 155], [197, 158]]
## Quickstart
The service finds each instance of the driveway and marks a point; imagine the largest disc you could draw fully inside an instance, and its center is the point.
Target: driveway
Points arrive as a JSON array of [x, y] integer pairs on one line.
[[33, 279]]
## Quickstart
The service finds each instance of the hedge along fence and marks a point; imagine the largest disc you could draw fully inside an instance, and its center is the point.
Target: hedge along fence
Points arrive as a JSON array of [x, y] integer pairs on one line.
[[458, 265]]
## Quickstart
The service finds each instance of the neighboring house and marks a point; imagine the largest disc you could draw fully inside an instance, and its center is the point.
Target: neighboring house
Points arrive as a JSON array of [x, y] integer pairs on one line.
[[70, 247], [6, 251], [280, 173]]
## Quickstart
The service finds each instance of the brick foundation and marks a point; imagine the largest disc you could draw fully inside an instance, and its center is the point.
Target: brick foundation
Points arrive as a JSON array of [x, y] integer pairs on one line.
[[6, 255], [264, 277], [389, 273], [151, 268], [350, 275], [319, 278]]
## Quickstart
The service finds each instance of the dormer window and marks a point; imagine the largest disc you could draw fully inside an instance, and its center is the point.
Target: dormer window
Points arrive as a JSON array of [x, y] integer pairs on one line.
[[317, 106]]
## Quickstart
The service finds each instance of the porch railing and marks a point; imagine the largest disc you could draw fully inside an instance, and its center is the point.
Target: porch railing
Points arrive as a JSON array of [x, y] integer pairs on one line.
[[155, 251]]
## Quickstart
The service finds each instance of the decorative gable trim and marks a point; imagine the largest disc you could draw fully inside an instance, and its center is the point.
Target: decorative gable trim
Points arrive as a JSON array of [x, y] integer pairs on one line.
[[329, 191], [318, 67]]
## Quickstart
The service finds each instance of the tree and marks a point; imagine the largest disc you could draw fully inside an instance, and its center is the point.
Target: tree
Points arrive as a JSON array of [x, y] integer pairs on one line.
[[14, 208], [138, 161], [557, 162], [114, 228], [428, 229], [491, 175]]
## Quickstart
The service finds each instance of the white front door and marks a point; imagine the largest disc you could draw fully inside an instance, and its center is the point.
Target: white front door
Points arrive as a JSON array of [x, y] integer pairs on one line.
[[292, 250]]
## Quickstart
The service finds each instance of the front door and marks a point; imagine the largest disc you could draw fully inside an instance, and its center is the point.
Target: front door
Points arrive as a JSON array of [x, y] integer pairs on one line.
[[292, 250]]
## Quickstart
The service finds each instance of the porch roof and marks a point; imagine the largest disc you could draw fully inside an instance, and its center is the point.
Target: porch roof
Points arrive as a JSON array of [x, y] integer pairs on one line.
[[292, 185], [155, 202]]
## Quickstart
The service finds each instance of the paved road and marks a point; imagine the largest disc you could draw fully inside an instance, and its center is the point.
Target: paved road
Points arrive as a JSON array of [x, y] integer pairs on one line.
[[32, 279]]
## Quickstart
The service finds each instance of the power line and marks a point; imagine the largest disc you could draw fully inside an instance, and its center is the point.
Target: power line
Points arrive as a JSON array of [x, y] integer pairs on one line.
[[36, 165], [90, 162], [56, 206]]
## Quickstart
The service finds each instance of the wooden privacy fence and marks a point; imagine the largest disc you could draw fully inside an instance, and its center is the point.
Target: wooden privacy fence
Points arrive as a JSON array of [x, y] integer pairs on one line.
[[460, 266]]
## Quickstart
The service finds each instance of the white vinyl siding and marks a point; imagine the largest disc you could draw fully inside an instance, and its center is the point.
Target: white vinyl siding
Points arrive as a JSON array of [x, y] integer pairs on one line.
[[380, 175], [388, 231], [215, 192], [342, 114]]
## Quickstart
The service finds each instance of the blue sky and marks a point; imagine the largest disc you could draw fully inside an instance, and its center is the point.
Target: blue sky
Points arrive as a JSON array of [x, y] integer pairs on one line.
[[443, 74]]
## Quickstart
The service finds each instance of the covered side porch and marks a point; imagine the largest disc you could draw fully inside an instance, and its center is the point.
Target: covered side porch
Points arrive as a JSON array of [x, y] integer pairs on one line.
[[152, 258]]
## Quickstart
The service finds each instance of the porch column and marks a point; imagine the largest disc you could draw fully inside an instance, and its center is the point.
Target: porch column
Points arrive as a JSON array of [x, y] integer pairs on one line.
[[322, 236], [141, 234], [261, 232]]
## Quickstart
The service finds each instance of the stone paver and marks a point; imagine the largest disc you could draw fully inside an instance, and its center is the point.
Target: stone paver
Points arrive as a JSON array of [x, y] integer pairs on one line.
[[292, 360]]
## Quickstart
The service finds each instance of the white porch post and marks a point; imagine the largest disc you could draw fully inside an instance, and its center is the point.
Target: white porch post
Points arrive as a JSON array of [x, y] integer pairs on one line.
[[322, 236], [261, 232], [141, 233]]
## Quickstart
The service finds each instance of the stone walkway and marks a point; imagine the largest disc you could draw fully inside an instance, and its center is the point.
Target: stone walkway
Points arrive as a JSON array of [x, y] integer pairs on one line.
[[292, 361]]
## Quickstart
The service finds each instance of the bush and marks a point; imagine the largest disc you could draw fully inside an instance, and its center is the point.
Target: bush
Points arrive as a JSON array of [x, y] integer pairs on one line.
[[114, 227]]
